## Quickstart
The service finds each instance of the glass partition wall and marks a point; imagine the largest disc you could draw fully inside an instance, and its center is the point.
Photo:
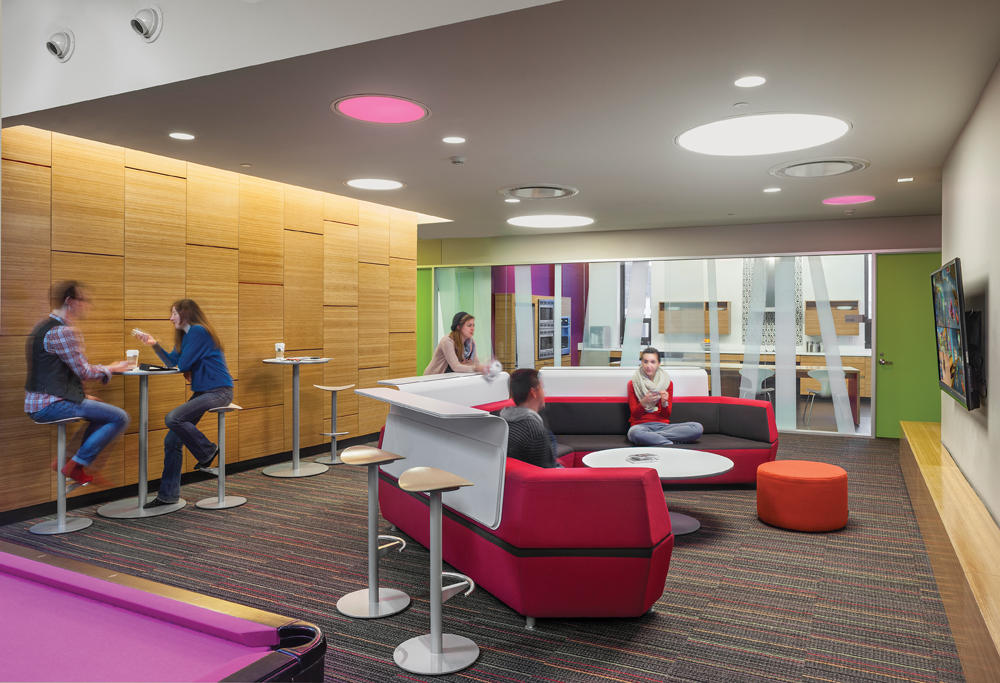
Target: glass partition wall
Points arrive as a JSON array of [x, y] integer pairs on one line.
[[793, 330]]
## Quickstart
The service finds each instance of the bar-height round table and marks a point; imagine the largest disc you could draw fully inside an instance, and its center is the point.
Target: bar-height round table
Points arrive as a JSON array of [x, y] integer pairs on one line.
[[131, 508], [295, 468]]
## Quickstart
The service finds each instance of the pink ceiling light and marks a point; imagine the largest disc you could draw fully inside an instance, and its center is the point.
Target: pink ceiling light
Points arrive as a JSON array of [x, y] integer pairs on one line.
[[850, 199], [380, 109]]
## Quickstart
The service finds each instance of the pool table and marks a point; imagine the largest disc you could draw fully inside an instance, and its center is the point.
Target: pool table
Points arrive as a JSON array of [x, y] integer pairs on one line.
[[64, 620]]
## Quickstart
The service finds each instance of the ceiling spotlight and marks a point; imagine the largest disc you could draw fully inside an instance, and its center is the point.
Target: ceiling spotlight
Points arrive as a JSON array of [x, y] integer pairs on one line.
[[182, 136], [246, 165], [850, 199], [904, 180], [380, 109], [741, 105], [374, 184], [756, 134], [550, 221], [148, 23], [512, 201], [773, 189], [750, 82], [453, 140], [61, 45]]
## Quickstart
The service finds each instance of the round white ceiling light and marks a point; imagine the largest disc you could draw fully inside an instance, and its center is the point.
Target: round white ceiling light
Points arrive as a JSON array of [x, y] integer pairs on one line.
[[819, 168], [453, 140], [757, 134], [538, 191], [550, 221], [511, 200], [750, 81], [374, 184], [61, 45], [182, 136], [148, 23]]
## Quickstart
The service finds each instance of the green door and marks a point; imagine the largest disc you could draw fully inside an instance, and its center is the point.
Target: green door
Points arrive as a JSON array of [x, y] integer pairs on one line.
[[905, 360]]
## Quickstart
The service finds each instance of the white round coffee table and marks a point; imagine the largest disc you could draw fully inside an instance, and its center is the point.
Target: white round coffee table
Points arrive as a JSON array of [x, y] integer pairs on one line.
[[672, 464]]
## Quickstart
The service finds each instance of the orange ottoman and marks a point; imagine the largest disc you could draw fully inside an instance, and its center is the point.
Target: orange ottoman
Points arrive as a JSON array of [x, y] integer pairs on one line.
[[802, 495]]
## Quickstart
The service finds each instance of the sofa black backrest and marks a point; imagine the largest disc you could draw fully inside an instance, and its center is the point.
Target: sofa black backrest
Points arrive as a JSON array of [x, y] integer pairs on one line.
[[596, 417], [745, 421], [705, 414]]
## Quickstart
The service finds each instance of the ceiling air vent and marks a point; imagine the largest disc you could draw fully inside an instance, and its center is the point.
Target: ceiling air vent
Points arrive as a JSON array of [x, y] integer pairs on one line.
[[819, 168], [538, 191]]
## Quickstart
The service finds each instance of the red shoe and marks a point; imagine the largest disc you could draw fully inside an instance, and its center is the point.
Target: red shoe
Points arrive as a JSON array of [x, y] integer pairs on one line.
[[75, 471]]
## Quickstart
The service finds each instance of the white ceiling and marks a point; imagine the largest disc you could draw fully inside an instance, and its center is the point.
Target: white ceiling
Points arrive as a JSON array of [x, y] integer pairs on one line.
[[591, 93]]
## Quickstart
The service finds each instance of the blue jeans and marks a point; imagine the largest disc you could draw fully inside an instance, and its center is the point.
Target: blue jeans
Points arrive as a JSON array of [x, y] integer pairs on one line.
[[182, 422], [107, 422], [664, 434]]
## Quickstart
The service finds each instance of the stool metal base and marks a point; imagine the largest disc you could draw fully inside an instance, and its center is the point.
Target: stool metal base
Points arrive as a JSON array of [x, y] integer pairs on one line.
[[129, 509], [306, 469], [389, 602], [51, 527], [683, 524], [415, 656], [329, 460], [213, 503]]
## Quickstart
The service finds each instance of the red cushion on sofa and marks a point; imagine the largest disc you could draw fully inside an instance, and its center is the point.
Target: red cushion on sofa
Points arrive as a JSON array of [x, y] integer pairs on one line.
[[495, 406]]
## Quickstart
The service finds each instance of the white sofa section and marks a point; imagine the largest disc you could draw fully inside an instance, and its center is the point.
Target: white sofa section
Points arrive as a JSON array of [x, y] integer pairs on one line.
[[587, 381], [465, 390]]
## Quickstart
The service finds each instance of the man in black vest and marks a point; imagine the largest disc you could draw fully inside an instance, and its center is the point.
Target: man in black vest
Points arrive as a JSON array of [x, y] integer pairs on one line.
[[57, 368], [527, 438]]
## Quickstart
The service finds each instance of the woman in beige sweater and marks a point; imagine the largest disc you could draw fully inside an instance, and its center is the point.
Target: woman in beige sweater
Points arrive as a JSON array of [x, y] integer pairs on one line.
[[456, 352]]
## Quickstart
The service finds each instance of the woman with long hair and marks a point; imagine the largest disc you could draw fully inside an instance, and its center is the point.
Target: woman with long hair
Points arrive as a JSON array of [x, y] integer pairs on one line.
[[456, 352], [198, 351]]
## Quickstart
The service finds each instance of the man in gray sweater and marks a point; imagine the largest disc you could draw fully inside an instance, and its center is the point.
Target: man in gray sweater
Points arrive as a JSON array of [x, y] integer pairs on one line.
[[528, 439]]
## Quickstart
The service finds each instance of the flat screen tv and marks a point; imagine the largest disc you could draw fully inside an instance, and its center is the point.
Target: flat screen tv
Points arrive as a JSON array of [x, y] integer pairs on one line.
[[951, 322]]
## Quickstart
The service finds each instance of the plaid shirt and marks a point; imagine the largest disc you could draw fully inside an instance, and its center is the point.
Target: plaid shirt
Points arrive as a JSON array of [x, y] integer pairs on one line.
[[66, 342]]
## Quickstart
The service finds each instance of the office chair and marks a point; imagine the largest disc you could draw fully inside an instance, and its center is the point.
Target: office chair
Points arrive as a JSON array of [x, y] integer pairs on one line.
[[763, 374], [824, 391]]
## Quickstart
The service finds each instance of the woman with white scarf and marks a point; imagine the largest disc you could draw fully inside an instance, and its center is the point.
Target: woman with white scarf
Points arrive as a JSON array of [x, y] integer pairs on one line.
[[650, 400]]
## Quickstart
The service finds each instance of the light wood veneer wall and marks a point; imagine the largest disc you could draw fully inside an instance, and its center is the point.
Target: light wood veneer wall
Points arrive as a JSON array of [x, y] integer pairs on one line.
[[268, 262]]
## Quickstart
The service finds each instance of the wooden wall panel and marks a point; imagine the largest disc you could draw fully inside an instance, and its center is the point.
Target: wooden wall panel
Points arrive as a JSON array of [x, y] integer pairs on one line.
[[402, 354], [303, 291], [262, 216], [373, 316], [261, 431], [260, 328], [88, 196], [154, 460], [166, 392], [24, 444], [144, 161], [27, 144], [213, 207], [312, 408], [371, 413], [212, 281], [402, 234], [340, 209], [209, 426], [103, 278], [402, 295], [303, 210], [340, 265], [341, 344], [108, 467], [155, 234], [345, 423], [24, 246], [373, 233]]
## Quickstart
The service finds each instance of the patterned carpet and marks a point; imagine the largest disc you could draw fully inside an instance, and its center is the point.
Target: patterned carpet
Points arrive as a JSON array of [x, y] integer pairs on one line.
[[743, 601]]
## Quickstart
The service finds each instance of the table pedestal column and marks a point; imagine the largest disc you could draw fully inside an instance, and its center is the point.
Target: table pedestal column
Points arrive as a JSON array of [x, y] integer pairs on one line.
[[295, 468]]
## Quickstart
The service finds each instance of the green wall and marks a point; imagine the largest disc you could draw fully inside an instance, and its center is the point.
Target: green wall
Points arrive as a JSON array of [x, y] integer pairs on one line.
[[907, 389], [425, 318]]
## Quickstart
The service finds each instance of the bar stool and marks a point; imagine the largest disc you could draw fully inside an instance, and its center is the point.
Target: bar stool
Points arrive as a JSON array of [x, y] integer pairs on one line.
[[332, 459], [373, 602], [436, 653], [61, 524], [221, 501]]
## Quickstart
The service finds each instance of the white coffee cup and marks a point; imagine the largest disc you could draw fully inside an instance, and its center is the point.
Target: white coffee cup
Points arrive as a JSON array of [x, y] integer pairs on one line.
[[279, 350], [132, 356]]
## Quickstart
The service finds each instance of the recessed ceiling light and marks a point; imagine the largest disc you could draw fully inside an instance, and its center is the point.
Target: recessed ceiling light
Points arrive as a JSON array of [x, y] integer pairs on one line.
[[773, 189], [512, 201], [538, 191], [750, 81], [904, 180], [246, 165], [762, 134], [453, 140], [182, 136], [850, 199], [550, 221], [741, 105], [374, 184], [380, 109]]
